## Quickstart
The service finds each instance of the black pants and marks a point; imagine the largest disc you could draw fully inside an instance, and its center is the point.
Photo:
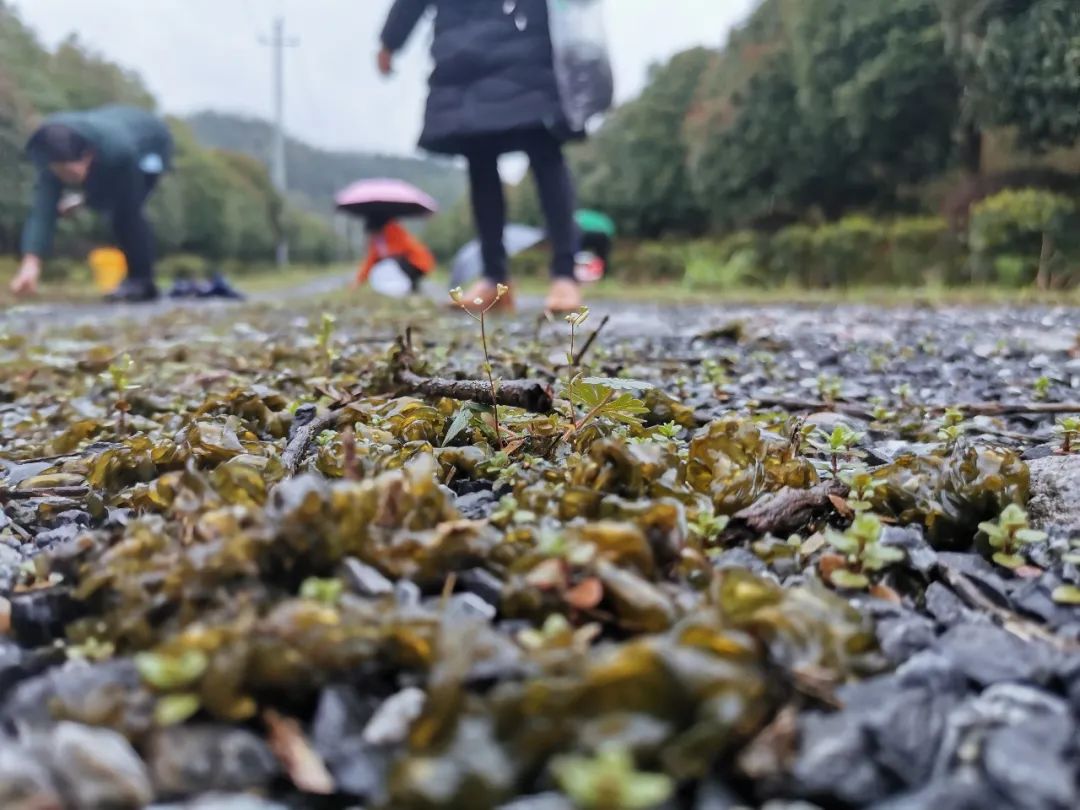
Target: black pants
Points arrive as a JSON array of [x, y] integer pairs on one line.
[[553, 184], [133, 234]]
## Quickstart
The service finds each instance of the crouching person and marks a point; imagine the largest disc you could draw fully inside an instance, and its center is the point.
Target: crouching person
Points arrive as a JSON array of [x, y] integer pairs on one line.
[[113, 157]]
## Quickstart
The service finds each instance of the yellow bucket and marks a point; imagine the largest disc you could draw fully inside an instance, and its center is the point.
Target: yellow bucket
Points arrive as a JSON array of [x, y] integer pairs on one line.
[[109, 267]]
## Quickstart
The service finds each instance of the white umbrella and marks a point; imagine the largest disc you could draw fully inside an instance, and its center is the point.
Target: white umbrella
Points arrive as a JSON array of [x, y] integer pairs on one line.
[[469, 262]]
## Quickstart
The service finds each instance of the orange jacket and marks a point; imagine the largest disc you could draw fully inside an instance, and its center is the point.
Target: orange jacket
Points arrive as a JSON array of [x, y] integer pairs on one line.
[[394, 242]]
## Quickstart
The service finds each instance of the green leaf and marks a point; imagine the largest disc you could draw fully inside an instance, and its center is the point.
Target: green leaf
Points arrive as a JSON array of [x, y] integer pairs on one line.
[[172, 710], [327, 591], [461, 422], [1066, 595], [1030, 536], [849, 580], [842, 542], [1010, 561], [169, 672], [602, 402]]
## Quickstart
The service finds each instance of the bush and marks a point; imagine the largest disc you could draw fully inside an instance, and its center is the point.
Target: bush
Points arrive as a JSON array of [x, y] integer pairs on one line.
[[1020, 236], [791, 255], [923, 250], [737, 261], [851, 250]]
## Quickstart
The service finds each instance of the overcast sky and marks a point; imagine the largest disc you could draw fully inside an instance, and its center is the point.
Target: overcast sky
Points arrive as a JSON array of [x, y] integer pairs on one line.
[[200, 54]]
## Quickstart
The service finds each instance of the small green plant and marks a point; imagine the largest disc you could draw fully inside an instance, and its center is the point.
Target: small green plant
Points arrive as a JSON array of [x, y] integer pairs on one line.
[[670, 430], [327, 591], [1009, 534], [609, 781], [838, 445], [1066, 595], [576, 321], [829, 388], [1041, 388], [707, 525], [863, 551], [604, 398], [1068, 428], [864, 490], [119, 376], [716, 374], [952, 427], [326, 340], [479, 315]]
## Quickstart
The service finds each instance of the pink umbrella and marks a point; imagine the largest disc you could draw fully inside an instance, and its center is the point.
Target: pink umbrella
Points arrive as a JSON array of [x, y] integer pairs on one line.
[[385, 198]]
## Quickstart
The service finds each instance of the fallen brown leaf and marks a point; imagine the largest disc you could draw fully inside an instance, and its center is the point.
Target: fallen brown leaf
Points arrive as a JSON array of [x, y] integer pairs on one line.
[[304, 766]]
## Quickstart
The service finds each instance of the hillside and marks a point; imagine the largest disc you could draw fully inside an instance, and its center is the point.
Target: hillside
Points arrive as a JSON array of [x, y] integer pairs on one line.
[[316, 174]]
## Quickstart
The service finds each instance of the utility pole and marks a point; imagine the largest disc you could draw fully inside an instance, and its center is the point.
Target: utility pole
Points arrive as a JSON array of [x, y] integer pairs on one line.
[[278, 43]]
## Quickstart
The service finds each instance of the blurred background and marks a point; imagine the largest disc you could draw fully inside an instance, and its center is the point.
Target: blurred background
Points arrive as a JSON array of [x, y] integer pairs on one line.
[[769, 142]]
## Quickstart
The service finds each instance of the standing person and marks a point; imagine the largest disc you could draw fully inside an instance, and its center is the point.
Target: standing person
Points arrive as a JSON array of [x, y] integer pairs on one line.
[[494, 91], [114, 155], [388, 239]]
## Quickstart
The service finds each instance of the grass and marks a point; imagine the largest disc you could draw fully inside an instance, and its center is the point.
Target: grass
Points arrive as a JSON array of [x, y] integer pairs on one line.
[[267, 280], [80, 288]]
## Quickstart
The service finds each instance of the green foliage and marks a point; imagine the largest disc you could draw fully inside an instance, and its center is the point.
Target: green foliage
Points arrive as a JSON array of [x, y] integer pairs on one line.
[[636, 170], [1027, 74], [609, 781], [1009, 534], [599, 400], [863, 551], [1017, 234], [1068, 428], [837, 446]]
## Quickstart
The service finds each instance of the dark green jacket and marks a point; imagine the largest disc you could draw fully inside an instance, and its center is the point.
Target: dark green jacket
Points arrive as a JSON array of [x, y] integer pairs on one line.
[[121, 137]]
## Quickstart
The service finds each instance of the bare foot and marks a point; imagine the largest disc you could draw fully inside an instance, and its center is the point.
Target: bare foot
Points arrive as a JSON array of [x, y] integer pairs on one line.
[[26, 281], [564, 295]]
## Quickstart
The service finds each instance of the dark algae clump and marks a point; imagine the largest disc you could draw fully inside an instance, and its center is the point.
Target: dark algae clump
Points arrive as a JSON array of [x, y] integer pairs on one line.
[[295, 557]]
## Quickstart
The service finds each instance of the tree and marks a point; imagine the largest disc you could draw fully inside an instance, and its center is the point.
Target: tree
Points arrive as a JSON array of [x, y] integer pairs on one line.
[[1028, 72], [636, 168]]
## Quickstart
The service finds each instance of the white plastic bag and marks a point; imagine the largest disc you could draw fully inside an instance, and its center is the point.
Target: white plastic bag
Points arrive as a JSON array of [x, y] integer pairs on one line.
[[582, 63]]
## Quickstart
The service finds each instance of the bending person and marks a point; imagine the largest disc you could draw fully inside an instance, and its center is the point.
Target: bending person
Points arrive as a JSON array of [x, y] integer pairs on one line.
[[114, 156], [388, 239]]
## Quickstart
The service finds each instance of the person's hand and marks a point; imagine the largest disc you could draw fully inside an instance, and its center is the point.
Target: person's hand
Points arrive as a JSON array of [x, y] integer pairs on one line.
[[26, 280], [386, 61]]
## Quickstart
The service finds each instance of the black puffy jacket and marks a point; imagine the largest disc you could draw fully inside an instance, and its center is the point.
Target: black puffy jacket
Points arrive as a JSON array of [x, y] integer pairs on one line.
[[494, 70]]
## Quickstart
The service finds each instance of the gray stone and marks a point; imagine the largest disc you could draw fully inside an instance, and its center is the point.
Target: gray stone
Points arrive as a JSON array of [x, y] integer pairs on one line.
[[832, 763], [95, 767], [987, 654], [366, 580], [25, 780], [934, 672], [920, 554], [1055, 491], [1027, 764], [223, 801], [946, 606], [906, 730], [390, 724], [541, 801], [203, 758], [902, 637], [360, 769], [476, 505], [470, 606], [962, 791], [342, 713], [483, 583], [77, 683], [739, 557]]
